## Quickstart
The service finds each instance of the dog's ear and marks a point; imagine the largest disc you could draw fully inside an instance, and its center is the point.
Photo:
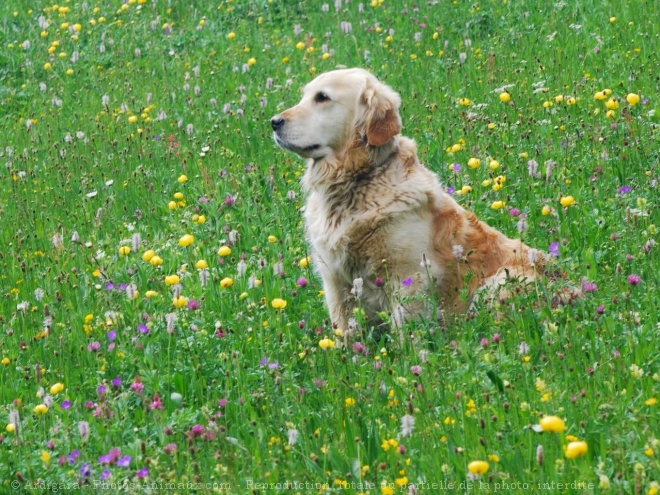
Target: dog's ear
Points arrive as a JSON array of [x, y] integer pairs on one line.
[[381, 120]]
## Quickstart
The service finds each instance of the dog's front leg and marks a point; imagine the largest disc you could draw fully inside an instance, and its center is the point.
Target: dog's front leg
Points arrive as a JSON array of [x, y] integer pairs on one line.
[[339, 300]]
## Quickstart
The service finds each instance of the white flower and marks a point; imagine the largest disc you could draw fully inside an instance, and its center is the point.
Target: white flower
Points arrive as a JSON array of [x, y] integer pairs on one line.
[[407, 425], [358, 286]]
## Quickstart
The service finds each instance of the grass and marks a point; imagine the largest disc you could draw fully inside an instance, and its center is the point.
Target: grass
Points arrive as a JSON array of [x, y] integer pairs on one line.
[[161, 129]]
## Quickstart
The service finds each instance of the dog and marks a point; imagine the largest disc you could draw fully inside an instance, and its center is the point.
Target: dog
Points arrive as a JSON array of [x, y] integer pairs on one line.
[[382, 228]]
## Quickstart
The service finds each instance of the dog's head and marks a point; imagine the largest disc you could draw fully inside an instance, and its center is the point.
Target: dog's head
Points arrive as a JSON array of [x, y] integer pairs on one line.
[[337, 107]]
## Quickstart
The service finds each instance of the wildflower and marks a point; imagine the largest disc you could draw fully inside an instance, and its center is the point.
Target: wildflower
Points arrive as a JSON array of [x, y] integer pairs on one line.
[[505, 97], [193, 304], [464, 102], [552, 424], [201, 264], [478, 467], [632, 99], [416, 370], [554, 249], [182, 179], [56, 389], [179, 302], [124, 250], [358, 286], [302, 282], [636, 371], [124, 461], [326, 343], [567, 201], [226, 282], [278, 303], [172, 279], [611, 104], [170, 449], [41, 409], [634, 279], [576, 449], [407, 282], [349, 402], [474, 163], [589, 286], [156, 261], [303, 263], [10, 428], [407, 425], [186, 240], [497, 205], [272, 239], [651, 402], [546, 210]]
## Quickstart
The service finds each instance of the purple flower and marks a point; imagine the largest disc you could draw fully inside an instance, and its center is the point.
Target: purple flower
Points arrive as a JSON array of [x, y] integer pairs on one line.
[[554, 249], [514, 212], [359, 348], [101, 389], [302, 282], [274, 365], [73, 456], [143, 473], [407, 282], [105, 474], [589, 286], [124, 461], [624, 190], [109, 285], [194, 304], [85, 470], [450, 190], [93, 346], [66, 405], [197, 431], [222, 402], [170, 448], [634, 279], [230, 200], [203, 200], [116, 382], [484, 342], [455, 167], [142, 328], [416, 370], [112, 335], [264, 361], [496, 338], [600, 309]]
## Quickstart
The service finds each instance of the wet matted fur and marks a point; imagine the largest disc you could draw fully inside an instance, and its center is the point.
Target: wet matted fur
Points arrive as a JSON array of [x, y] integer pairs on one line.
[[375, 214]]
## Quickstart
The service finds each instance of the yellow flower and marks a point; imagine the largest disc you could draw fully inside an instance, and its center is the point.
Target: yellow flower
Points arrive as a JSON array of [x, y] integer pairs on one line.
[[571, 100], [576, 449], [300, 45], [478, 467], [252, 61], [611, 104], [172, 205], [272, 239], [224, 251], [186, 240], [156, 261], [150, 293], [132, 119], [47, 66], [41, 409], [486, 183], [124, 250], [654, 488], [201, 264], [326, 343], [231, 35], [559, 98], [56, 389], [651, 402], [178, 195], [172, 279], [226, 282], [546, 210], [567, 201], [400, 482], [45, 456], [571, 438], [493, 165], [303, 263], [494, 458], [5, 361], [612, 19], [179, 302], [10, 428], [600, 95], [552, 424], [148, 255], [455, 148], [648, 452], [349, 402], [505, 97], [474, 162], [632, 99], [182, 179], [464, 102], [465, 190], [384, 489], [278, 303], [497, 205]]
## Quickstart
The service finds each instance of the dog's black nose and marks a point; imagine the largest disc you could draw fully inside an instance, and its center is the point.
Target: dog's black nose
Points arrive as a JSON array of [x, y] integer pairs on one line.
[[276, 122]]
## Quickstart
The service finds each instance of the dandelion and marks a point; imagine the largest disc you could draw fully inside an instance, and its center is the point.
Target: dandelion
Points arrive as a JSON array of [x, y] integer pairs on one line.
[[552, 424], [478, 467], [505, 97], [349, 402], [576, 449], [278, 303], [567, 201], [186, 240]]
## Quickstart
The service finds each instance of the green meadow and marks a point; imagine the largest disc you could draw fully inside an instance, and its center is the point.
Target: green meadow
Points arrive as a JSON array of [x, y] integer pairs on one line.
[[162, 326]]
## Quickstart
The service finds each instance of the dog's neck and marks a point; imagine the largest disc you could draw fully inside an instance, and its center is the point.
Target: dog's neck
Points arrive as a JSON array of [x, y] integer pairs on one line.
[[342, 169]]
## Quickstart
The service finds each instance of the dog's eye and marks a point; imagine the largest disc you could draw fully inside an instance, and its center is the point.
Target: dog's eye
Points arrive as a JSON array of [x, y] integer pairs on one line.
[[321, 97]]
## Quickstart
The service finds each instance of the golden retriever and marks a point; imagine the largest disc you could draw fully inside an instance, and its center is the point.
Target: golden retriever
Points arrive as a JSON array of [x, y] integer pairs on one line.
[[382, 228]]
